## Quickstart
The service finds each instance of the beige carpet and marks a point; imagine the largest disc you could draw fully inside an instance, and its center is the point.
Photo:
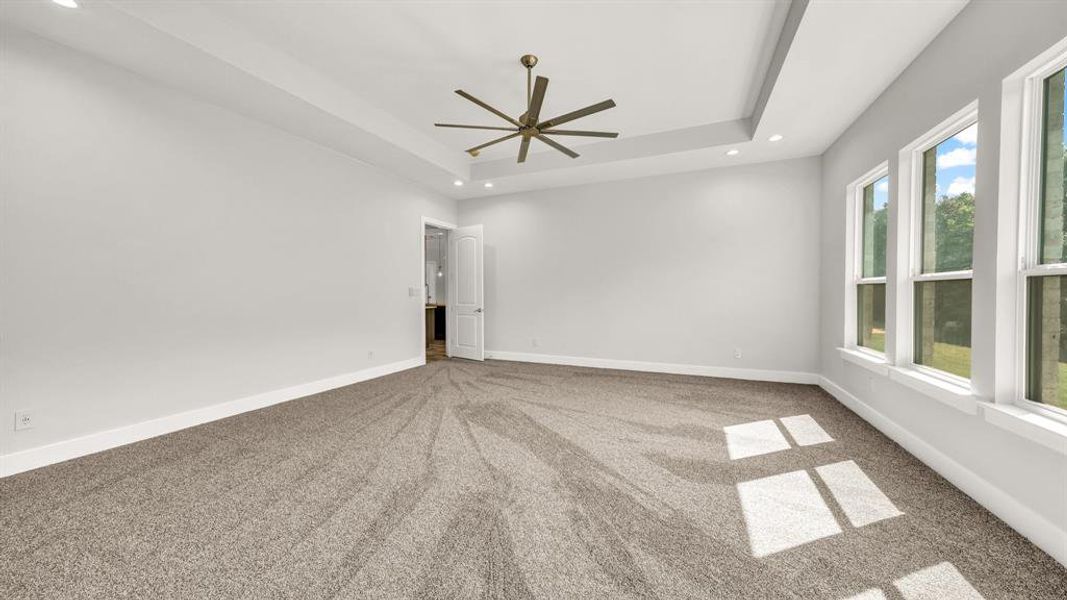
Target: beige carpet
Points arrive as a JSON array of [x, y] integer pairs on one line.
[[506, 480]]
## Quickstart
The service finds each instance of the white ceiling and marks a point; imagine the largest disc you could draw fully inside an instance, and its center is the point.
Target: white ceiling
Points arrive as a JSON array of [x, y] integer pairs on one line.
[[368, 79], [667, 65]]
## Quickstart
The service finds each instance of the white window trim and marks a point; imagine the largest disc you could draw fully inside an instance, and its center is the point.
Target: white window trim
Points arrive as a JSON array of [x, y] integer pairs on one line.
[[1051, 433], [1020, 178], [909, 271], [932, 383], [866, 358], [854, 274]]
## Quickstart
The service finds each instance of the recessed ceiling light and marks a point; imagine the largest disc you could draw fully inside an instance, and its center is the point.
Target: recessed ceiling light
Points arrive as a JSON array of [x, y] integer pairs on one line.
[[733, 152], [775, 138], [488, 184], [66, 3], [457, 182]]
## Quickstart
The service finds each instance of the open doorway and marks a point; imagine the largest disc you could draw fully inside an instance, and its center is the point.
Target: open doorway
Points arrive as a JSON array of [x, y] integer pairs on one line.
[[435, 289], [452, 272]]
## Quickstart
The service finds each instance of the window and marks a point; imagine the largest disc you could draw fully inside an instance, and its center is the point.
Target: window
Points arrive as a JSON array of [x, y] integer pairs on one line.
[[870, 285], [1046, 273], [942, 268]]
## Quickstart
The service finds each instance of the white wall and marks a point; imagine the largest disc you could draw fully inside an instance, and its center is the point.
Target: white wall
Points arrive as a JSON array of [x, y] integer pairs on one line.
[[160, 254], [678, 269], [985, 43]]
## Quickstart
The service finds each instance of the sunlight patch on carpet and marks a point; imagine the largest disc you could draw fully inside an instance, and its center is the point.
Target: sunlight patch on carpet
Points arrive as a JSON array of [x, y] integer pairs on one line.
[[754, 439], [860, 499], [805, 430], [940, 581], [871, 594], [784, 511]]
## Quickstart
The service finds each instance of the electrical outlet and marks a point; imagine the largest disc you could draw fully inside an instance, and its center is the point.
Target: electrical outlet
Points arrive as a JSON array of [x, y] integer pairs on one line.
[[370, 354], [534, 342], [737, 353], [23, 419]]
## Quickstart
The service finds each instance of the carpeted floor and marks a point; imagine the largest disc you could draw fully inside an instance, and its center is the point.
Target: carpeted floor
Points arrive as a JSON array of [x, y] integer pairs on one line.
[[507, 480]]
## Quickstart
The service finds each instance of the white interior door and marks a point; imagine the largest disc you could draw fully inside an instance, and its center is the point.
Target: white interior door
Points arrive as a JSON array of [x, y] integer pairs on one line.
[[466, 319]]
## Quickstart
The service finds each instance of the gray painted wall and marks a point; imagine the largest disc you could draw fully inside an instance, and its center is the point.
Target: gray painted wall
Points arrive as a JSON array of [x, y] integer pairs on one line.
[[968, 60], [678, 269], [160, 254]]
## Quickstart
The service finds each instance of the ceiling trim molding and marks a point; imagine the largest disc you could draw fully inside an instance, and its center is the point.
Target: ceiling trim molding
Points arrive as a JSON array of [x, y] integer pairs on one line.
[[193, 25], [797, 10], [642, 146], [182, 46]]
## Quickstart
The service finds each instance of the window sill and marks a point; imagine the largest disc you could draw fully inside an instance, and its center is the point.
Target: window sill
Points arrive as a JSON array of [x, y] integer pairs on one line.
[[1028, 424], [957, 396], [867, 360]]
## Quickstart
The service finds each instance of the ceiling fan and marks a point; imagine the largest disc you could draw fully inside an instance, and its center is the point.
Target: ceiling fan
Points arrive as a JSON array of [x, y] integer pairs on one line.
[[527, 125]]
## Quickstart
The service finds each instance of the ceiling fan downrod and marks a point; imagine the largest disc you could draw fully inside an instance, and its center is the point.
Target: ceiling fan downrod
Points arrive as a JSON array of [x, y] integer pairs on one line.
[[529, 61]]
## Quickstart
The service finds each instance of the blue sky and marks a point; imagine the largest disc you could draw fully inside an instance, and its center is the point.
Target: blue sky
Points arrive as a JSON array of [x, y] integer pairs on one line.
[[1065, 120], [881, 193], [955, 163], [955, 167]]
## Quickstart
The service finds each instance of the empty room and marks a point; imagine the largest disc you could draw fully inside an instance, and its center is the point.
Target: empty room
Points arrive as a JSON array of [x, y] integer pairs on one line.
[[533, 299]]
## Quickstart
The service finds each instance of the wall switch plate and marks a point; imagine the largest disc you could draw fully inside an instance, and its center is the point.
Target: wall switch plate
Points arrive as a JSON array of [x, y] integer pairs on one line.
[[23, 420], [413, 292], [737, 353]]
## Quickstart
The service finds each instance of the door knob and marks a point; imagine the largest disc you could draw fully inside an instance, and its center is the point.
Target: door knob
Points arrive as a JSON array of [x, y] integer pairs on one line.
[[478, 310]]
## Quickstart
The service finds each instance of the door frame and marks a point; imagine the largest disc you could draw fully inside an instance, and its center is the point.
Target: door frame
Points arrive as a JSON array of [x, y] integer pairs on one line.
[[422, 277]]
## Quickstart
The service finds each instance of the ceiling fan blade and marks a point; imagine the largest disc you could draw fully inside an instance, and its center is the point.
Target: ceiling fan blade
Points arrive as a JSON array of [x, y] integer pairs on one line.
[[603, 134], [558, 146], [489, 108], [582, 112], [524, 147], [491, 142], [473, 127], [536, 100]]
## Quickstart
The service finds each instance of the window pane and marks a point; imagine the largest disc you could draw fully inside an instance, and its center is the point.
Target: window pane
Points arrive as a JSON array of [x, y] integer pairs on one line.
[[1046, 352], [870, 316], [948, 203], [1053, 180], [943, 325], [875, 199]]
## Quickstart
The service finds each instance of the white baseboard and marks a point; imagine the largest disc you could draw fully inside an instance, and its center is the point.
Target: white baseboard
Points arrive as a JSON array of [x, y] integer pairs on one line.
[[1043, 533], [656, 367], [33, 458]]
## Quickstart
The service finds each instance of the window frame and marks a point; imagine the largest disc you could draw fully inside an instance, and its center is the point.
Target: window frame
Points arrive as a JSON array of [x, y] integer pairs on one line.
[[1029, 263], [909, 247], [854, 260]]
